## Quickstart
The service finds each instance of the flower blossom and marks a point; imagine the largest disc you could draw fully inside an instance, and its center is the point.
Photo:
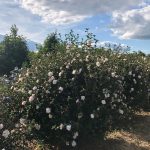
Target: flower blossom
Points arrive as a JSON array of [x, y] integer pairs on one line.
[[31, 98], [5, 133], [121, 111], [98, 64], [68, 127], [1, 126], [92, 116], [48, 110], [61, 89], [50, 74], [83, 98], [103, 102], [73, 143]]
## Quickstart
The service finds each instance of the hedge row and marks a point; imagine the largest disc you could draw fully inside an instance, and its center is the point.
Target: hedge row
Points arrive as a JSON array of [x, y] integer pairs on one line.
[[69, 95]]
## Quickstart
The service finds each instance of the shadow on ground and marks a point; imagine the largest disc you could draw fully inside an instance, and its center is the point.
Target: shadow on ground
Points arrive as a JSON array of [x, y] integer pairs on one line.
[[135, 138]]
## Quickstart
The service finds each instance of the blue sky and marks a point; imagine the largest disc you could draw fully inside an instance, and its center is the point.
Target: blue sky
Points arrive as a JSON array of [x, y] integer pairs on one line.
[[125, 22]]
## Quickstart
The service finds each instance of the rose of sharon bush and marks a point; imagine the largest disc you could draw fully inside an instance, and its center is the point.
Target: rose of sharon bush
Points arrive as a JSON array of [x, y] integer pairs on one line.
[[66, 96]]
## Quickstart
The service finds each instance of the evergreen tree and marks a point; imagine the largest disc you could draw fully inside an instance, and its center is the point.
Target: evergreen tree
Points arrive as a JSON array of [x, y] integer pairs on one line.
[[50, 44], [13, 51]]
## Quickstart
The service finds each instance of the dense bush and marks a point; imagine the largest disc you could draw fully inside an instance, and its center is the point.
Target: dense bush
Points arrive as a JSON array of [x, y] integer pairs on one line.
[[73, 93]]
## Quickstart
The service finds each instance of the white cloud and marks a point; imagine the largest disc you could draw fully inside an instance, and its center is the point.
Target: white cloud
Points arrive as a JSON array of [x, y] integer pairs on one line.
[[29, 25], [60, 12], [113, 45], [133, 23], [36, 18]]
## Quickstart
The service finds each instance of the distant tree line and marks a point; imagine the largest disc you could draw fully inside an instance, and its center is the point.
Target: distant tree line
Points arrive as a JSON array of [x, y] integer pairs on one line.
[[14, 51]]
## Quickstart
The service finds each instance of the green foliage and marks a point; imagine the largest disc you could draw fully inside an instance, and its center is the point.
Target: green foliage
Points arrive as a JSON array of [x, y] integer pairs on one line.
[[50, 44], [13, 51], [74, 93]]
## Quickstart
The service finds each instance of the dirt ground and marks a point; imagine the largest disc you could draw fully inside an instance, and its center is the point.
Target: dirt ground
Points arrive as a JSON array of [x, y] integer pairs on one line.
[[135, 138]]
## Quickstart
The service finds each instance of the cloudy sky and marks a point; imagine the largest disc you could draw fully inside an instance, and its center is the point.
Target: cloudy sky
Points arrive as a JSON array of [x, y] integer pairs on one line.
[[119, 21]]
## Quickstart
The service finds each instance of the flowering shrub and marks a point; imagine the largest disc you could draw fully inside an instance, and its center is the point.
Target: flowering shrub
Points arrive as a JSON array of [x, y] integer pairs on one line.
[[72, 94], [69, 95]]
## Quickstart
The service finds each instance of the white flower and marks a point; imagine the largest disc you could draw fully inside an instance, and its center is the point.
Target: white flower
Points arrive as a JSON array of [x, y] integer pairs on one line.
[[92, 116], [68, 127], [50, 116], [132, 89], [67, 143], [67, 67], [121, 111], [37, 126], [77, 101], [30, 92], [73, 143], [12, 131], [98, 108], [37, 107], [47, 91], [61, 126], [5, 133], [74, 72], [98, 64], [87, 58], [3, 149], [37, 81], [50, 74], [80, 70], [20, 79], [34, 88], [61, 89], [103, 102], [60, 74], [113, 74], [1, 126], [54, 81], [119, 100], [130, 73], [139, 76], [17, 125], [76, 134], [51, 79], [48, 110], [83, 98], [135, 82], [133, 75], [106, 59], [22, 121], [23, 103], [107, 95], [31, 98], [27, 74], [116, 95]]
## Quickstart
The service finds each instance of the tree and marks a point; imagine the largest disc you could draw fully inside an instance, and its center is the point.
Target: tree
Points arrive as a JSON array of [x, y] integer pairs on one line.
[[50, 44], [13, 51]]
